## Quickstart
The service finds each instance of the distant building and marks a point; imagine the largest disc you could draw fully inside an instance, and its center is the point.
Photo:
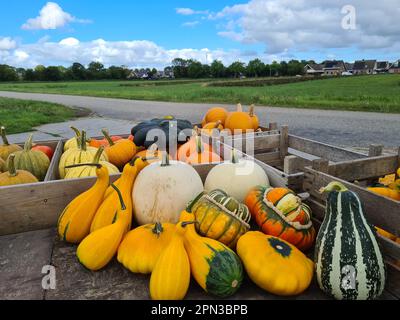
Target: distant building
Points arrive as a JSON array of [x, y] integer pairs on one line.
[[382, 67], [364, 67], [326, 68], [349, 67], [395, 67], [314, 69]]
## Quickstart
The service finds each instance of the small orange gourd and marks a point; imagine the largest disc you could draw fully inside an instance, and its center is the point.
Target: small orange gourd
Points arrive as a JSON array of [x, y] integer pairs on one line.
[[202, 154], [215, 114], [190, 147], [119, 152], [239, 121]]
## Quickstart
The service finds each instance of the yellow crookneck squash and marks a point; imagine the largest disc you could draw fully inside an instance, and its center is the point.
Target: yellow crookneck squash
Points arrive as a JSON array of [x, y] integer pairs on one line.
[[99, 247], [386, 192], [141, 247], [74, 222], [82, 154], [215, 267], [170, 278], [274, 264], [106, 213]]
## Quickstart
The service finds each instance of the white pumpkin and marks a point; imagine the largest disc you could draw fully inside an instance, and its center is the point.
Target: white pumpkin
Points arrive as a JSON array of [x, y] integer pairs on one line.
[[236, 178], [163, 189]]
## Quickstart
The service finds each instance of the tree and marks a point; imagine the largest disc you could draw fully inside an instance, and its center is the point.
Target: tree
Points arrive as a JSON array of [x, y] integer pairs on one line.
[[169, 72], [255, 68], [52, 74], [29, 75], [8, 73], [39, 73], [180, 67], [96, 71], [236, 69], [118, 73], [217, 69], [195, 69], [78, 71], [295, 67], [275, 69], [283, 68]]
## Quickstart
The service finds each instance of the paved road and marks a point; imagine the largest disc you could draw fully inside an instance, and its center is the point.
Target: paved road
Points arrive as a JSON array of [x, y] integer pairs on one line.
[[337, 127]]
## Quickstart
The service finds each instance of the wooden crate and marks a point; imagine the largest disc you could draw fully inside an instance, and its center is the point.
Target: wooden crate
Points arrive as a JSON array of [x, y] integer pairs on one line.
[[284, 156]]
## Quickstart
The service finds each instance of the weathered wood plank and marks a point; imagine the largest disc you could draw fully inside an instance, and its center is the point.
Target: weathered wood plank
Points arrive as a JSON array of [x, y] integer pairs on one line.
[[284, 142], [272, 158], [380, 211], [323, 150], [52, 172], [22, 257], [257, 144], [367, 168]]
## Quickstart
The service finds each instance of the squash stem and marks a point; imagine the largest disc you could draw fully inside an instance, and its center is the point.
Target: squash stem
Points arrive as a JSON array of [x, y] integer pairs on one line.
[[165, 159], [121, 199], [3, 136], [83, 140], [186, 223], [28, 143], [251, 110], [239, 108], [158, 229], [11, 166], [334, 186], [98, 154], [199, 145], [107, 136], [235, 158], [77, 135], [97, 165]]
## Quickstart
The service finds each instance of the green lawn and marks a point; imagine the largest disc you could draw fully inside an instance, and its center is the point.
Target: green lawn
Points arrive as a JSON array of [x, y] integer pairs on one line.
[[22, 115], [379, 93]]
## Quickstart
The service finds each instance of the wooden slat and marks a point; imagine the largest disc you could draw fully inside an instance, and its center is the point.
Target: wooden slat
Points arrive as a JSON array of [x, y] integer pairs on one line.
[[380, 211], [323, 150], [257, 144], [365, 168], [284, 142], [272, 158], [52, 172]]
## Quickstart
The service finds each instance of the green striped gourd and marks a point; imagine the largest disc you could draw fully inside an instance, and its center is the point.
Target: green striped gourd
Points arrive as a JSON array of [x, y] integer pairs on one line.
[[220, 217], [349, 263]]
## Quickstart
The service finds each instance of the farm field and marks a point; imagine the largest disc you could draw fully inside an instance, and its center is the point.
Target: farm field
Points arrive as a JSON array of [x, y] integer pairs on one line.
[[377, 93], [22, 115]]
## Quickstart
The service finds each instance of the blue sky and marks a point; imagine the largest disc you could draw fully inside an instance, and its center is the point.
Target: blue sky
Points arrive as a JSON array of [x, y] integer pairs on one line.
[[140, 33]]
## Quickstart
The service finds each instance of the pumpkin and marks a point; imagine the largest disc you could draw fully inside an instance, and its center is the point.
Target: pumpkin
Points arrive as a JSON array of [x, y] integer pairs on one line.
[[202, 154], [161, 133], [74, 222], [386, 192], [395, 185], [119, 152], [75, 141], [239, 121], [388, 179], [274, 264], [14, 177], [82, 154], [91, 169], [215, 267], [107, 212], [36, 162], [279, 212], [3, 166], [170, 278], [211, 127], [141, 247], [103, 142], [6, 148], [214, 115], [254, 119], [99, 247], [191, 146], [152, 154], [349, 263], [45, 149], [163, 189], [220, 217], [236, 178]]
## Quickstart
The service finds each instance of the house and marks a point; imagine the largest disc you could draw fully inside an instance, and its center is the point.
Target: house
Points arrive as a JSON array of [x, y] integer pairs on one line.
[[314, 69], [395, 67], [364, 67], [382, 67], [334, 67], [349, 67]]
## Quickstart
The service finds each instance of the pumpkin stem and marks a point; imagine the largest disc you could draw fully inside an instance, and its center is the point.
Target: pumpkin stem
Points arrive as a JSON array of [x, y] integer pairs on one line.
[[251, 110], [121, 199], [239, 108], [334, 186], [98, 154], [77, 135], [11, 166], [217, 124], [199, 145], [97, 165], [235, 158], [194, 201], [158, 229], [83, 140], [28, 143], [3, 136], [186, 223], [165, 159], [107, 136]]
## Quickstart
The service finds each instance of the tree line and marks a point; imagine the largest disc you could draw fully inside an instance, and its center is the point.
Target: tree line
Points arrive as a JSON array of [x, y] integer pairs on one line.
[[180, 68]]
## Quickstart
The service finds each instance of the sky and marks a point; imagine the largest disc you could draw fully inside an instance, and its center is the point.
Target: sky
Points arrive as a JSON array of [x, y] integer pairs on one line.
[[151, 33]]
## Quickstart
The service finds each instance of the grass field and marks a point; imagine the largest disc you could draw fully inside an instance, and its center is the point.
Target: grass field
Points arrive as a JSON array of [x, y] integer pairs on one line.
[[22, 115], [378, 93]]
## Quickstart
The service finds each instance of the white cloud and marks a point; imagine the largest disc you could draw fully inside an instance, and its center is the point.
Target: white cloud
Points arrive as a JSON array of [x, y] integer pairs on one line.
[[7, 43], [21, 56], [190, 24], [51, 16], [310, 25], [189, 12], [69, 42]]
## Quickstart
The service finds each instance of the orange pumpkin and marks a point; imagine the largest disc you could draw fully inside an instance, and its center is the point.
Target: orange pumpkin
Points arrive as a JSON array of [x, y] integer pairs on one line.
[[280, 213], [215, 114], [119, 152], [103, 142], [202, 155], [185, 150], [239, 121], [254, 118], [211, 126], [151, 155]]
